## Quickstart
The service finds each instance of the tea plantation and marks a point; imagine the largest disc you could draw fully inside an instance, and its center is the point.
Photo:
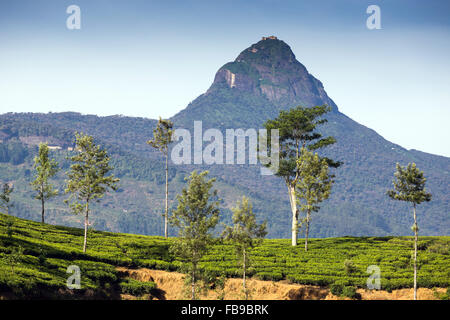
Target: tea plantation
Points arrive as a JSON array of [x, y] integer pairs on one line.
[[34, 259]]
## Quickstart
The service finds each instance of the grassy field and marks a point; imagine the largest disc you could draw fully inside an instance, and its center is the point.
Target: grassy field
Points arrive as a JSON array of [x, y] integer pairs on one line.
[[34, 260]]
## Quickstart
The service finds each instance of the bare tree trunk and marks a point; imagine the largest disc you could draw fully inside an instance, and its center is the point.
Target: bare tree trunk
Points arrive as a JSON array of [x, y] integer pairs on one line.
[[416, 236], [166, 213], [42, 204], [308, 214], [294, 209], [43, 209], [243, 278], [86, 224]]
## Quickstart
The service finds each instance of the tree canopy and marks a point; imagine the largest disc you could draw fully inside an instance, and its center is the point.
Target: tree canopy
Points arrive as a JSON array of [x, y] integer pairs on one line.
[[88, 177], [409, 185], [245, 234], [5, 197], [195, 217], [45, 169], [297, 130], [313, 186]]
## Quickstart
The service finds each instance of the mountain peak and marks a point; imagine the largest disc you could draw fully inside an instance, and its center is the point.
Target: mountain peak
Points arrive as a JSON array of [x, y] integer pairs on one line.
[[264, 79], [269, 50], [269, 69]]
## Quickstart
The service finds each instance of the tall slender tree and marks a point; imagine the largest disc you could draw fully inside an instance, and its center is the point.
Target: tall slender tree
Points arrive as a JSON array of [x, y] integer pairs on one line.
[[195, 217], [313, 185], [409, 186], [5, 197], [297, 129], [45, 169], [245, 234], [163, 136], [88, 180]]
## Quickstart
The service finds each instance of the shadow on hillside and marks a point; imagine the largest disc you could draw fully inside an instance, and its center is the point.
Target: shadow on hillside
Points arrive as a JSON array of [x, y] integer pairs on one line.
[[159, 294]]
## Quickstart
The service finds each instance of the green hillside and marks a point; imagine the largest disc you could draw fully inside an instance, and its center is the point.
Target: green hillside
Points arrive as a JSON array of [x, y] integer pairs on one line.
[[40, 270], [137, 205]]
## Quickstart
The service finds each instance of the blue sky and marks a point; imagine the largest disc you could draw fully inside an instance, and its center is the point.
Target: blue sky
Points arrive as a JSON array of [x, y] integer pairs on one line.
[[151, 58]]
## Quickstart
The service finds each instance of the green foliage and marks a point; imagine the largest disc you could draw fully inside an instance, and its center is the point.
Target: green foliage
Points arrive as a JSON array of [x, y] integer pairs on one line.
[[245, 234], [217, 282], [343, 288], [9, 227], [196, 216], [88, 178], [337, 288], [313, 185], [409, 185], [349, 292], [163, 136], [46, 252], [272, 260], [137, 288], [439, 247], [5, 197], [14, 257], [13, 152], [222, 108], [45, 169], [298, 128], [14, 128], [446, 295]]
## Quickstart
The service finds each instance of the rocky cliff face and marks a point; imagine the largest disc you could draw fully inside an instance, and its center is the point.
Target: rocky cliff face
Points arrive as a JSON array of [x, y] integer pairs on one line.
[[269, 69]]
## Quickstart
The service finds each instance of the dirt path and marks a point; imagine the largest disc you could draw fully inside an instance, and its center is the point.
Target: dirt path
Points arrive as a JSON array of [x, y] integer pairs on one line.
[[172, 285]]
